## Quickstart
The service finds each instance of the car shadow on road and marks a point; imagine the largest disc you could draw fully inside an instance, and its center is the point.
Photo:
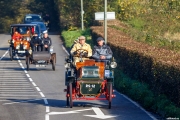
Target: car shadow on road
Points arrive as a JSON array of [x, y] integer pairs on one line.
[[4, 48]]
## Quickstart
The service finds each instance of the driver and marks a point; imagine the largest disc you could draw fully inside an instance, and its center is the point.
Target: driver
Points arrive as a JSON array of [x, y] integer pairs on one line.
[[16, 35], [83, 54]]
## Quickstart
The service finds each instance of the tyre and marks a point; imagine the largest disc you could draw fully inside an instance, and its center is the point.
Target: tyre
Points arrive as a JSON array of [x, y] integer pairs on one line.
[[27, 62], [110, 94], [67, 97], [11, 53], [53, 63], [70, 95]]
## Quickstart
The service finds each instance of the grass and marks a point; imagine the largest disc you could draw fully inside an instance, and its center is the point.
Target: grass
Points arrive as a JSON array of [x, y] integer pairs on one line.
[[70, 36]]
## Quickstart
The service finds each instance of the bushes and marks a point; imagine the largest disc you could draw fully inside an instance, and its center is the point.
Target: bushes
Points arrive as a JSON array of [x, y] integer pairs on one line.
[[159, 68]]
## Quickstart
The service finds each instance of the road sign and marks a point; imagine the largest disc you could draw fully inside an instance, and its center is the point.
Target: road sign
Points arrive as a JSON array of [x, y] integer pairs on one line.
[[100, 15]]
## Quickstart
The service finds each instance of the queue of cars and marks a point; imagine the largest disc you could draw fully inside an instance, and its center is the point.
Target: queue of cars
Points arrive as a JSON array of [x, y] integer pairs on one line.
[[21, 42]]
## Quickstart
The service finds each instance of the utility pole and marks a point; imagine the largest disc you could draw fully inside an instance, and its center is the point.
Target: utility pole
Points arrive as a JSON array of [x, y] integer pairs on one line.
[[105, 21], [82, 12]]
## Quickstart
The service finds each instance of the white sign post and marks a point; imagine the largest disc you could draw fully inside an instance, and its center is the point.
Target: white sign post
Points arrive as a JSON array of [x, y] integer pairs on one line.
[[105, 16], [100, 15]]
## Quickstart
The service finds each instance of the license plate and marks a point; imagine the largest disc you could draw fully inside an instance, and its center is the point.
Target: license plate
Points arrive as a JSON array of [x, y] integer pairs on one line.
[[21, 51], [40, 65]]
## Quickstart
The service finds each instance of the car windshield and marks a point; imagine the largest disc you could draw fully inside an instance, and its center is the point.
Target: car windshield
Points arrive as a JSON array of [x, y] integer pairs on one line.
[[30, 18], [42, 26], [22, 29]]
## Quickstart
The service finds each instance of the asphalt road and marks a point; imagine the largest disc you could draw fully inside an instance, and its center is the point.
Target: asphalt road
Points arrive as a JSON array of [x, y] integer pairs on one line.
[[38, 94]]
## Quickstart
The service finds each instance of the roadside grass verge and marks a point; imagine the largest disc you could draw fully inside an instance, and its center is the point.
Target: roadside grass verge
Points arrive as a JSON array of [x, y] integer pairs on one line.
[[70, 36]]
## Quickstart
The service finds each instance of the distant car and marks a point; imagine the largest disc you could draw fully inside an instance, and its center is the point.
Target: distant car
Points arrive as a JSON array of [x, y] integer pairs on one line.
[[42, 26], [32, 18]]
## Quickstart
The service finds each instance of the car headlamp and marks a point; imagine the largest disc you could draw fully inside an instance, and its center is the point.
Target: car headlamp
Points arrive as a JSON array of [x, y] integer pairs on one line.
[[25, 47], [113, 64], [51, 49], [67, 65], [17, 46]]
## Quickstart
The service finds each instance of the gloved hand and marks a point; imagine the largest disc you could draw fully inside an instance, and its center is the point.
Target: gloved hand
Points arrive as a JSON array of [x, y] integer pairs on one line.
[[75, 53]]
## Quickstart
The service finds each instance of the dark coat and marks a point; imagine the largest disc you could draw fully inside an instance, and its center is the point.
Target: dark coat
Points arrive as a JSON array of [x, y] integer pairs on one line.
[[104, 50], [46, 41]]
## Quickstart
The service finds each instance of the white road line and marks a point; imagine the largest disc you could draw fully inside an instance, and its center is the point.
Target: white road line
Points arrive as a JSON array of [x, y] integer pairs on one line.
[[16, 90], [65, 50], [34, 84], [13, 78], [30, 79], [25, 88], [4, 55], [38, 89], [42, 95], [27, 75], [151, 116], [24, 101], [12, 95]]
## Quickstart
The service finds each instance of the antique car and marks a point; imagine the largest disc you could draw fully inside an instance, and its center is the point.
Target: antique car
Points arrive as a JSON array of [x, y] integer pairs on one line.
[[41, 59], [28, 18], [21, 46], [89, 80]]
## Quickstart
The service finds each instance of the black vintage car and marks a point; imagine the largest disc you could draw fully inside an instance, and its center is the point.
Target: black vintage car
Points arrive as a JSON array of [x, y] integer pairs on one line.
[[89, 80], [32, 18], [21, 46]]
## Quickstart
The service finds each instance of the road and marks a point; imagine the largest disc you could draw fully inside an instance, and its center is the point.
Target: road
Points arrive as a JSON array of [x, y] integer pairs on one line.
[[38, 94]]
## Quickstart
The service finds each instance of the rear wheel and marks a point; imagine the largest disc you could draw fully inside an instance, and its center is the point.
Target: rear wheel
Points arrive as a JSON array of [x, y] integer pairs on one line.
[[11, 53], [67, 97], [27, 62], [53, 63], [110, 94], [70, 95]]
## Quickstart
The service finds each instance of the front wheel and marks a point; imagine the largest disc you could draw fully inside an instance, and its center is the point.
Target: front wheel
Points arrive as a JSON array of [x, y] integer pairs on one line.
[[27, 62], [110, 95], [11, 53], [70, 95]]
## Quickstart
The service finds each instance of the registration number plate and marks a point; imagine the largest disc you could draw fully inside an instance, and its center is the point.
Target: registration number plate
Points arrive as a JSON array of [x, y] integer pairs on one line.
[[21, 51], [40, 65]]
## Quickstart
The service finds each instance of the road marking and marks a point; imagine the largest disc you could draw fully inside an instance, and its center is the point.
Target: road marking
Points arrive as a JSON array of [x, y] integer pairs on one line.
[[27, 75], [34, 84], [12, 95], [151, 116], [24, 101], [100, 114], [68, 112], [4, 55], [42, 95], [38, 89]]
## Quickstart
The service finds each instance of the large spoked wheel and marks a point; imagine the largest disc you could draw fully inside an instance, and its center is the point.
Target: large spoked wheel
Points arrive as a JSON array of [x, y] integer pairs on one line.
[[67, 97], [11, 53], [27, 62], [53, 62], [110, 94], [70, 95]]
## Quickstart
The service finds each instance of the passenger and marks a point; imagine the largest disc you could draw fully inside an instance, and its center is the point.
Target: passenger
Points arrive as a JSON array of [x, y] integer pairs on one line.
[[46, 42], [102, 52], [35, 43], [16, 35], [81, 45]]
